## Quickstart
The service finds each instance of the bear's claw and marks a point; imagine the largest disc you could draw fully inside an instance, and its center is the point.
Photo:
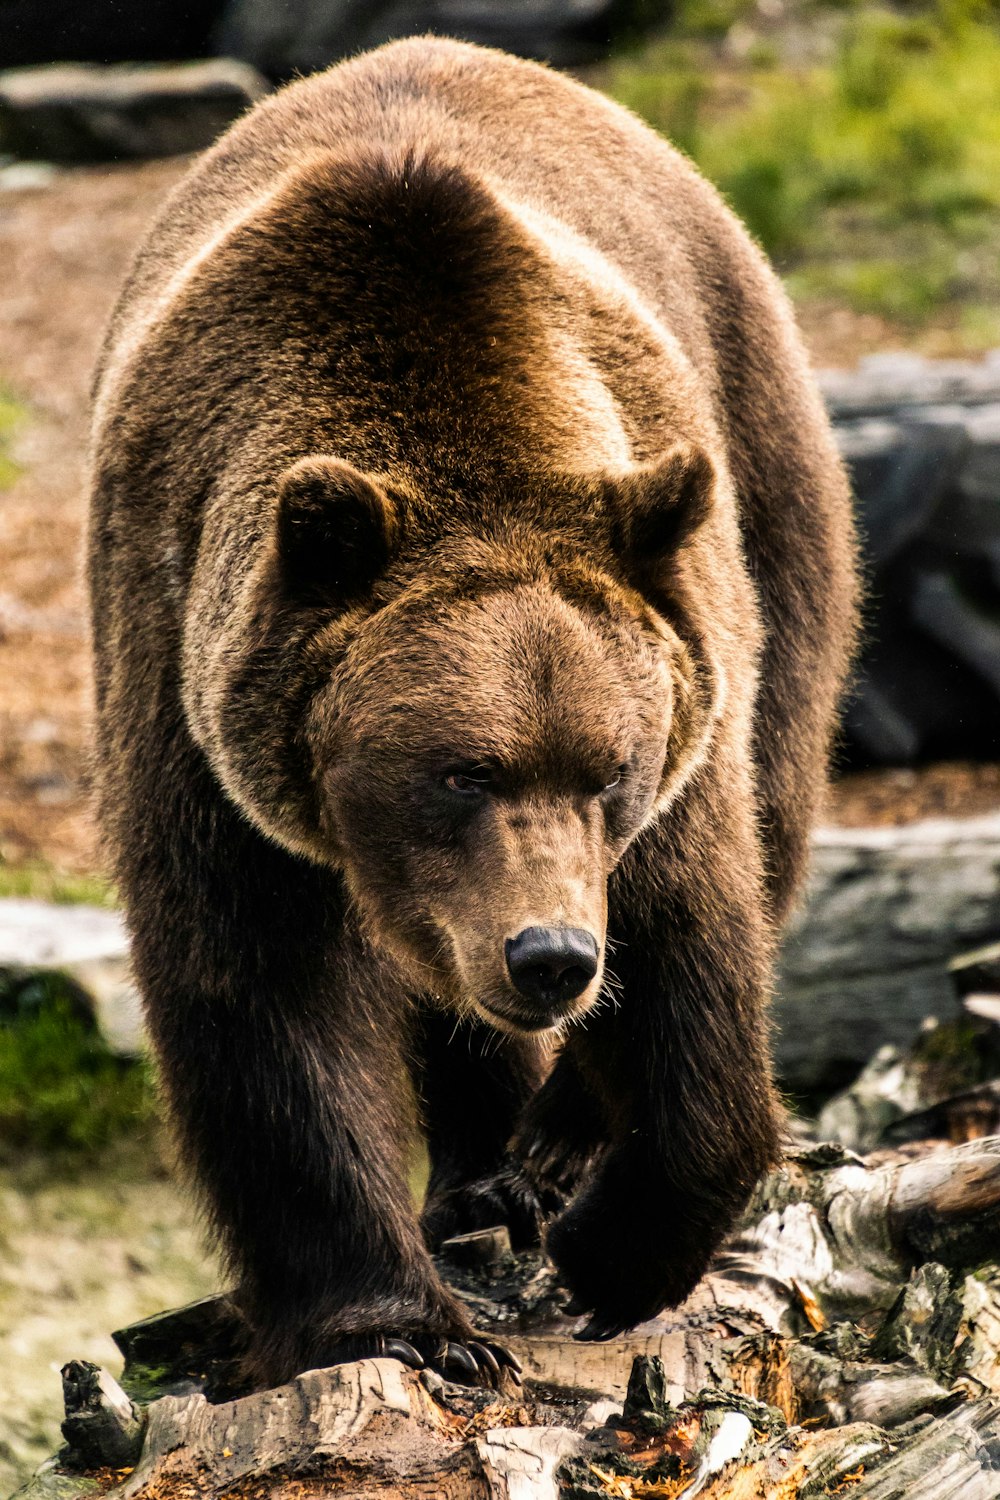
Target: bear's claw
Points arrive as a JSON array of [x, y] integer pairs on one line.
[[474, 1363], [599, 1330], [404, 1352]]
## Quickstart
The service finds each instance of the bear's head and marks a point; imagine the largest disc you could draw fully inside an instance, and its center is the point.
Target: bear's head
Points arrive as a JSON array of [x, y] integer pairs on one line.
[[500, 712]]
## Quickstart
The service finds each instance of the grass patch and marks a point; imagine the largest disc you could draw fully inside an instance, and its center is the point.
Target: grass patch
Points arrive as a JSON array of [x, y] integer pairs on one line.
[[865, 158], [62, 1091], [37, 881], [12, 414]]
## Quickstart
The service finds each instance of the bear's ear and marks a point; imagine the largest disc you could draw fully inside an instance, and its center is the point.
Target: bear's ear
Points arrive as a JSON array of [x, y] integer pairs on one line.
[[335, 528], [657, 508]]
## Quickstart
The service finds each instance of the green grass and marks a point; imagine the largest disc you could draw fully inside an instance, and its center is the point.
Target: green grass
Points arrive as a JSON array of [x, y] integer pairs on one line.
[[866, 160], [38, 881], [12, 414], [61, 1091]]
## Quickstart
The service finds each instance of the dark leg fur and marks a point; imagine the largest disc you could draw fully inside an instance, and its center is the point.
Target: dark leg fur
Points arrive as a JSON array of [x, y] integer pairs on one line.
[[280, 1040], [680, 1068], [561, 1131], [473, 1085]]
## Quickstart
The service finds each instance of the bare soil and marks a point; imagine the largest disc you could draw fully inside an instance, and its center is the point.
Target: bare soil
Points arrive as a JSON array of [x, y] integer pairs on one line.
[[65, 247], [80, 1256]]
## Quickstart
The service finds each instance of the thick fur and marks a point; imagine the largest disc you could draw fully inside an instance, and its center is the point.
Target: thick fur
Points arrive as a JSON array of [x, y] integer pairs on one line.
[[448, 416]]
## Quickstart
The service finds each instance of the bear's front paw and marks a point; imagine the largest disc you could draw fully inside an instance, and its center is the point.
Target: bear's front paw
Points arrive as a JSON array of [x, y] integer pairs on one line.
[[468, 1362], [622, 1263], [507, 1196], [431, 1332]]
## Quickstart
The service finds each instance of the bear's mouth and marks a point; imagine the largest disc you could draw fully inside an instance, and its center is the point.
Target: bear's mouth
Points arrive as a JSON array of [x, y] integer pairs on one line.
[[510, 1016]]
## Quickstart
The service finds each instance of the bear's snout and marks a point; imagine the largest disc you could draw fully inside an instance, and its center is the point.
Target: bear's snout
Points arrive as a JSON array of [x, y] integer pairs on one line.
[[552, 965]]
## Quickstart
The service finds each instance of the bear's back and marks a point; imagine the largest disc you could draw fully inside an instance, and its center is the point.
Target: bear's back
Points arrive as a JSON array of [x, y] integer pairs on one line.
[[582, 170]]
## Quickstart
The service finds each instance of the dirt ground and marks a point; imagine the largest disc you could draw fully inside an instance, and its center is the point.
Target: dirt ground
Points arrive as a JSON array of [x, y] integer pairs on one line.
[[64, 247], [79, 1257]]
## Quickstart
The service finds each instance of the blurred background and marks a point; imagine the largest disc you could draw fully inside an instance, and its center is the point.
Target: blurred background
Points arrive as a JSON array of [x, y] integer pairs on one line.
[[860, 141]]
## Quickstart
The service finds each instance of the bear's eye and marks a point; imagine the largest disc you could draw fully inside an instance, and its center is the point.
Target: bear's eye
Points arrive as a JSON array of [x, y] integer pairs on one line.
[[469, 781], [615, 780]]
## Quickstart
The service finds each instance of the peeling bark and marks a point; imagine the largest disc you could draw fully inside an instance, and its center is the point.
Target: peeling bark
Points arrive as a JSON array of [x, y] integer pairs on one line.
[[846, 1342]]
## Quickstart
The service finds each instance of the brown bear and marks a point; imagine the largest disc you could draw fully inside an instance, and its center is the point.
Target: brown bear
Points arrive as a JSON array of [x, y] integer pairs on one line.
[[473, 582]]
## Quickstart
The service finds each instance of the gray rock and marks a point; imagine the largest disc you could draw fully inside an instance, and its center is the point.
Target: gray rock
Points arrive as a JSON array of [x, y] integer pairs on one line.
[[44, 935], [87, 944], [85, 112], [922, 441], [303, 35], [867, 958], [885, 383]]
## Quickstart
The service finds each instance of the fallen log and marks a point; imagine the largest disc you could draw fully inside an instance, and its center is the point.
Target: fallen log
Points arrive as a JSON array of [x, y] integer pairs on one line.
[[846, 1341]]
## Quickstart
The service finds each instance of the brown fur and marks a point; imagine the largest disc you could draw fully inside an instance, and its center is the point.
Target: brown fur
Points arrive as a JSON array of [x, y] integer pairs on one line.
[[448, 417]]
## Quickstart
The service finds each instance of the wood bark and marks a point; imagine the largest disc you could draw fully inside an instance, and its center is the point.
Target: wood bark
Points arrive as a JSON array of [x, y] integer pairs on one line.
[[846, 1341]]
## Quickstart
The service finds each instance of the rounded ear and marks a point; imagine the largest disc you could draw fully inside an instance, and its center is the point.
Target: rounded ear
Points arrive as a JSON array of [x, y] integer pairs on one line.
[[659, 507], [335, 528]]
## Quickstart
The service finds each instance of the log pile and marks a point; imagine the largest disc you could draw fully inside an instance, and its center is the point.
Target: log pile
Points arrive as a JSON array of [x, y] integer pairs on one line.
[[846, 1342], [922, 440]]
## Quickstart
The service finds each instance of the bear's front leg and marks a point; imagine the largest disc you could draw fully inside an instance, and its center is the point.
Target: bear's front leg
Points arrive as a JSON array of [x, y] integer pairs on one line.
[[279, 1035], [681, 1067]]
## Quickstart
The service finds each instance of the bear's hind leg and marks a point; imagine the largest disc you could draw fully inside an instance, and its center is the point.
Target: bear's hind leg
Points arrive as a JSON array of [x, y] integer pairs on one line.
[[473, 1085]]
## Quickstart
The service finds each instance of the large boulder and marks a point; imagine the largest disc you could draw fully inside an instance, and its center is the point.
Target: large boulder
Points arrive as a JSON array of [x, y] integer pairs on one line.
[[83, 112], [305, 35], [106, 31], [922, 441]]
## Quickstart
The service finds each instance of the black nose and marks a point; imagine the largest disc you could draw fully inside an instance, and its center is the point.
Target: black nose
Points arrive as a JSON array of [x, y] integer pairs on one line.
[[552, 963]]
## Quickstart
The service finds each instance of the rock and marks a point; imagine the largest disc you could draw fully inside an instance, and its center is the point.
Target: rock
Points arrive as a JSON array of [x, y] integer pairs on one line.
[[86, 944], [646, 1397], [884, 1091], [42, 935], [84, 112], [483, 1249], [944, 1086], [305, 35], [374, 1417], [883, 383], [51, 1482], [106, 31], [712, 1405], [521, 1463], [922, 441], [26, 177], [866, 959], [196, 1347]]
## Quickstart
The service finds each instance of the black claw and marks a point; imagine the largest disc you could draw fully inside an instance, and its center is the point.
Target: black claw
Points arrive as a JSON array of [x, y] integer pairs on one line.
[[508, 1361], [459, 1357], [401, 1350], [598, 1331], [506, 1358], [484, 1357]]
